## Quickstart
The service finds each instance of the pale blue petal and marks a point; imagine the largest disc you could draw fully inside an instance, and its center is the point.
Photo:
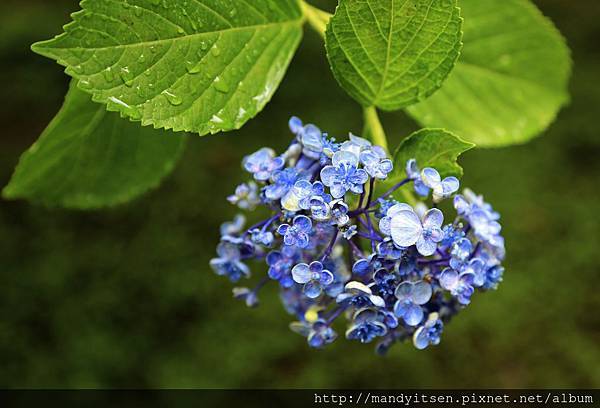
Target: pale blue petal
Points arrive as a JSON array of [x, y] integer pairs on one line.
[[403, 291], [431, 178], [303, 223], [312, 289], [449, 279], [413, 315], [450, 185], [301, 273], [405, 228], [345, 158], [426, 247], [421, 293], [433, 218], [329, 175]]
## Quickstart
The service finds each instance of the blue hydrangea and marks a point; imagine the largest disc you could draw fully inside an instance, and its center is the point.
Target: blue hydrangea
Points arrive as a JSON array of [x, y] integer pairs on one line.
[[429, 333], [297, 234], [281, 263], [441, 188], [460, 284], [338, 249], [411, 296], [314, 277], [318, 333], [359, 295], [229, 261], [263, 164], [343, 175], [367, 324], [406, 228], [376, 162], [245, 196]]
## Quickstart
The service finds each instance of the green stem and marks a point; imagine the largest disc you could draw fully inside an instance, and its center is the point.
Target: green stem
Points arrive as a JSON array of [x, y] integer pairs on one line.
[[373, 129], [316, 17]]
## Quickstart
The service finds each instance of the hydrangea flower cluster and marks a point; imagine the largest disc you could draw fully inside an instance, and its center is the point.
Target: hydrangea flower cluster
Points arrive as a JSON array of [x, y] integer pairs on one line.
[[395, 271]]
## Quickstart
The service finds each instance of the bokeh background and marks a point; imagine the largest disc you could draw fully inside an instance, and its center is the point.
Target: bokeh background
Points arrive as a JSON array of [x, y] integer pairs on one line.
[[125, 298]]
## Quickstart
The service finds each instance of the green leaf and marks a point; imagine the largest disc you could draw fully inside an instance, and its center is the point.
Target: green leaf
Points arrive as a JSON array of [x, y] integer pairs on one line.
[[188, 65], [510, 81], [435, 148], [393, 53], [89, 158]]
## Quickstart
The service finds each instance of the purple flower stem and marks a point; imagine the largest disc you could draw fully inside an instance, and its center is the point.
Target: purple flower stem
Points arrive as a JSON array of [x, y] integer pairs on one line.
[[369, 237], [335, 314], [355, 248], [260, 284], [434, 261], [264, 223], [330, 246]]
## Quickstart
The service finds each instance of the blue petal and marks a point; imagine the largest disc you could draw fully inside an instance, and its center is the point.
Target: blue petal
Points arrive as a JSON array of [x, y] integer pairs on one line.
[[433, 218], [421, 292], [329, 175], [449, 279], [295, 125], [327, 278], [303, 223], [301, 273], [450, 185], [403, 291], [405, 228], [312, 289], [345, 158], [431, 178], [413, 315]]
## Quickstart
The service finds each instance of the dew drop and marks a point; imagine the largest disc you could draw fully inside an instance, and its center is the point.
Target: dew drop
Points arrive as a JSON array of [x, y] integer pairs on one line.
[[85, 84], [215, 51], [118, 105], [173, 99], [193, 67], [221, 85], [126, 76], [109, 74]]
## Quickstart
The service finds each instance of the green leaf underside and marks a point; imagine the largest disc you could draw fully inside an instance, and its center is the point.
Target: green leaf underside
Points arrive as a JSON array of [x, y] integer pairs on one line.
[[200, 66], [393, 53], [510, 81], [435, 148], [89, 158]]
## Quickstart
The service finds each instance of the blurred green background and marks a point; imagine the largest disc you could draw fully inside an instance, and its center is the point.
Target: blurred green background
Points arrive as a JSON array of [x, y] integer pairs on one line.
[[125, 297]]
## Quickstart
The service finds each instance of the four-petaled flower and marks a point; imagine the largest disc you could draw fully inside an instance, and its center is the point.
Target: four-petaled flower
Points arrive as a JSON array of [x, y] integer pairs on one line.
[[283, 188], [344, 175], [263, 163], [245, 196], [429, 333], [406, 229], [441, 188], [460, 253], [229, 261], [297, 234], [411, 296], [366, 325], [460, 284], [376, 163], [314, 277], [281, 263], [318, 333], [359, 295]]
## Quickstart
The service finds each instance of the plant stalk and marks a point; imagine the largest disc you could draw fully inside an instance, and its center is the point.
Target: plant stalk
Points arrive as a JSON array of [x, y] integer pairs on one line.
[[316, 18], [373, 129]]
